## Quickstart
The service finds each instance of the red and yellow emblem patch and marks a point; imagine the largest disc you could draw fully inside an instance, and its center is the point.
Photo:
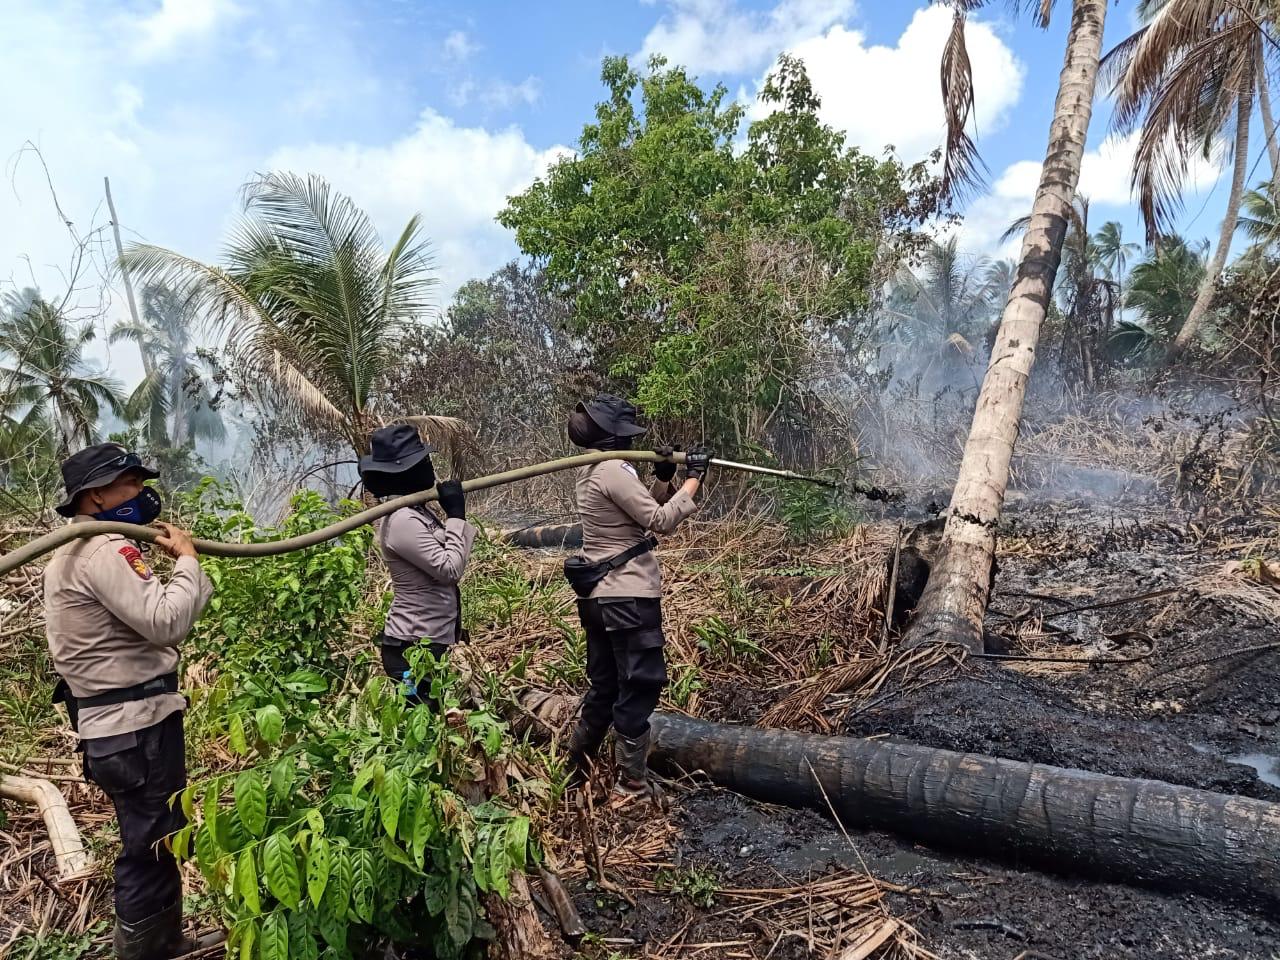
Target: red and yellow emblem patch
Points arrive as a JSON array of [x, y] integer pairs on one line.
[[133, 557]]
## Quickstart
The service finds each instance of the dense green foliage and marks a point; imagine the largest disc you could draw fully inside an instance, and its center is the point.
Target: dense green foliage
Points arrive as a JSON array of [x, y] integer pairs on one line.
[[704, 272], [347, 820]]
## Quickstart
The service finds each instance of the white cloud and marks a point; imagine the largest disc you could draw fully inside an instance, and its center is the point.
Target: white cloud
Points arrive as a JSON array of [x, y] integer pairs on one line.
[[457, 177], [1105, 175], [176, 22], [889, 94], [458, 46], [496, 94], [715, 36]]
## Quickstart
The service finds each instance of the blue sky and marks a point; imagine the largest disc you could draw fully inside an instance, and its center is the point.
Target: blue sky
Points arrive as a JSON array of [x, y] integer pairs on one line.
[[446, 108]]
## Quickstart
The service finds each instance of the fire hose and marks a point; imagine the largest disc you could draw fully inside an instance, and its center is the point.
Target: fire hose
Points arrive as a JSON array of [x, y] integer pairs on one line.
[[269, 548]]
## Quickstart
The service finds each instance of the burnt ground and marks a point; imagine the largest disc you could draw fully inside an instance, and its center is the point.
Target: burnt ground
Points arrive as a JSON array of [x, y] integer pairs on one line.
[[1212, 725]]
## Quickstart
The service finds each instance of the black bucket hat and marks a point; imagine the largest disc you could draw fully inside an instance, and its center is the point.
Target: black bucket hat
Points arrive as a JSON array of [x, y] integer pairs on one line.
[[613, 415], [396, 448], [98, 466]]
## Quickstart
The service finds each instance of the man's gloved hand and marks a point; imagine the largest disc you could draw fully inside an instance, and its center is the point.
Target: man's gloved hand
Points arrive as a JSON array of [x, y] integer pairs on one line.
[[666, 470], [452, 500], [697, 463]]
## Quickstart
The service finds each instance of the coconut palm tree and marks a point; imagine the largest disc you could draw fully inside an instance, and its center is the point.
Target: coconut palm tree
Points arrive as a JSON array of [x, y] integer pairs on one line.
[[955, 598], [946, 293], [46, 374], [1164, 285], [175, 402], [1113, 252], [312, 302], [1187, 80], [1261, 220]]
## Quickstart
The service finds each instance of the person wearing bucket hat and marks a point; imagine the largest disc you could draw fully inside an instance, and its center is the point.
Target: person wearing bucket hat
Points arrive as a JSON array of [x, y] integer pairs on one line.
[[619, 587], [426, 558], [114, 629]]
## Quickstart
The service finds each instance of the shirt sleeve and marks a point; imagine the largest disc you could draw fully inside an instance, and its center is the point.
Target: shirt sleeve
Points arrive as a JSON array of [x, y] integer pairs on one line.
[[162, 613], [663, 490], [415, 542], [624, 488]]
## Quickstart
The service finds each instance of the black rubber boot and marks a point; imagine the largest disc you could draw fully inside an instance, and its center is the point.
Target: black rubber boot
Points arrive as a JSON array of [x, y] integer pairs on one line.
[[584, 744], [632, 756], [159, 937]]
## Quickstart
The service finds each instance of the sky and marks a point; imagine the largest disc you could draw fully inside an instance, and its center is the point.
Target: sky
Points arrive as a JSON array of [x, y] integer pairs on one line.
[[445, 109]]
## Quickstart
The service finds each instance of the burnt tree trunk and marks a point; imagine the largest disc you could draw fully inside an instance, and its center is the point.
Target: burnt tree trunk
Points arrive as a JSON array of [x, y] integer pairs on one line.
[[1137, 831]]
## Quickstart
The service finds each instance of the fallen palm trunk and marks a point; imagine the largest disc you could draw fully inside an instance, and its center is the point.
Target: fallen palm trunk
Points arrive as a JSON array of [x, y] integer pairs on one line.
[[68, 849], [1137, 831]]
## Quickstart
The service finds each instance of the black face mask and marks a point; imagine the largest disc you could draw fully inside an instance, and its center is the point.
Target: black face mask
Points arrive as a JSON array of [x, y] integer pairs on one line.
[[141, 509], [586, 433], [421, 476]]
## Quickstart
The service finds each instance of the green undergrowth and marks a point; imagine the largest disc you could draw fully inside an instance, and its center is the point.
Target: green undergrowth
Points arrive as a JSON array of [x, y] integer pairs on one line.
[[327, 817]]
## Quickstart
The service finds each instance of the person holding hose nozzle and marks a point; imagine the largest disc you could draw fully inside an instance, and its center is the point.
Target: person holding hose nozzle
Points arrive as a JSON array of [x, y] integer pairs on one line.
[[619, 587], [426, 558], [113, 631]]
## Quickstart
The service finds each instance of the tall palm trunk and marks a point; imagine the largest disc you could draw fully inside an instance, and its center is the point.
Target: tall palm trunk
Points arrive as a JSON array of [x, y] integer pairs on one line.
[[1204, 297], [955, 599], [1269, 129]]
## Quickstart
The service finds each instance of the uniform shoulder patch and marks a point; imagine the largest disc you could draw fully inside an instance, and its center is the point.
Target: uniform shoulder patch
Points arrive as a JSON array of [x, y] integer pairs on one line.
[[133, 556], [630, 468]]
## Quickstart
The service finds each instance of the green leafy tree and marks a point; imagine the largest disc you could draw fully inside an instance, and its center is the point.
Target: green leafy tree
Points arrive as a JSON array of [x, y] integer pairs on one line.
[[701, 275], [1261, 219], [177, 401], [46, 375], [314, 305], [946, 292]]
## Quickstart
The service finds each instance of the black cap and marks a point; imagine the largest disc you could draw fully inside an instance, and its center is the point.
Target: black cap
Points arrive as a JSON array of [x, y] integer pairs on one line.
[[98, 466], [615, 416], [396, 448]]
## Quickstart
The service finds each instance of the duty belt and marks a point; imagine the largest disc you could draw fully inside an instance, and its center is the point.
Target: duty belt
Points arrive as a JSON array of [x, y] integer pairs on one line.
[[165, 683]]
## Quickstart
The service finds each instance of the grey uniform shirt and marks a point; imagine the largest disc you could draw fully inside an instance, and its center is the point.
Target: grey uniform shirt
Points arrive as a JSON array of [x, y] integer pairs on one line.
[[617, 511], [112, 623], [426, 561]]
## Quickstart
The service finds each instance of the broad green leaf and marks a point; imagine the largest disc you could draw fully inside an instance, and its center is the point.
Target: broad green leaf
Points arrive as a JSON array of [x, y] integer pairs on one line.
[[247, 880], [315, 820], [235, 735], [391, 795], [518, 843], [251, 802], [369, 773], [248, 936], [424, 824], [273, 942], [210, 804], [188, 801], [333, 927], [282, 777], [207, 853], [281, 868], [180, 843], [317, 868], [270, 723], [302, 943], [337, 894], [393, 853], [499, 865], [364, 881], [305, 681]]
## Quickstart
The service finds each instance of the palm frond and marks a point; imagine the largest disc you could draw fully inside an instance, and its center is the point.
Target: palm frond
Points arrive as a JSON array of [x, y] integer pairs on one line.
[[962, 167], [451, 436]]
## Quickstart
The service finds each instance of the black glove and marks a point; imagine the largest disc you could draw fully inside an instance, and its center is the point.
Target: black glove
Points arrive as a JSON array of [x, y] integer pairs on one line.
[[452, 500], [666, 470], [697, 463]]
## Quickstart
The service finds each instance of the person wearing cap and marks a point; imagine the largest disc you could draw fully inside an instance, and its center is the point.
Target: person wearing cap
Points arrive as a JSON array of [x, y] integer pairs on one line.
[[622, 616], [114, 629], [426, 558]]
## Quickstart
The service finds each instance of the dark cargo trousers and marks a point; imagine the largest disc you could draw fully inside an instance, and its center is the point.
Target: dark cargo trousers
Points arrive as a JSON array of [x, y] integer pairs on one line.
[[140, 772], [625, 664]]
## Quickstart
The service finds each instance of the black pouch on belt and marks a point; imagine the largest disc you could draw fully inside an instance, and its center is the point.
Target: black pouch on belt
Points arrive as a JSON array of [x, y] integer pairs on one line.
[[584, 577], [62, 694]]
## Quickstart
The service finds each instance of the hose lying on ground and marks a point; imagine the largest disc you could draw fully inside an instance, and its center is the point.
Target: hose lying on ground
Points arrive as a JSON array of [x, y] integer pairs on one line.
[[214, 548], [68, 849]]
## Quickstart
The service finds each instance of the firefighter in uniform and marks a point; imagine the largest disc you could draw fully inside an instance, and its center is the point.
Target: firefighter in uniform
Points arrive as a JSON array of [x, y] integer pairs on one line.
[[620, 601], [114, 630], [425, 558]]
